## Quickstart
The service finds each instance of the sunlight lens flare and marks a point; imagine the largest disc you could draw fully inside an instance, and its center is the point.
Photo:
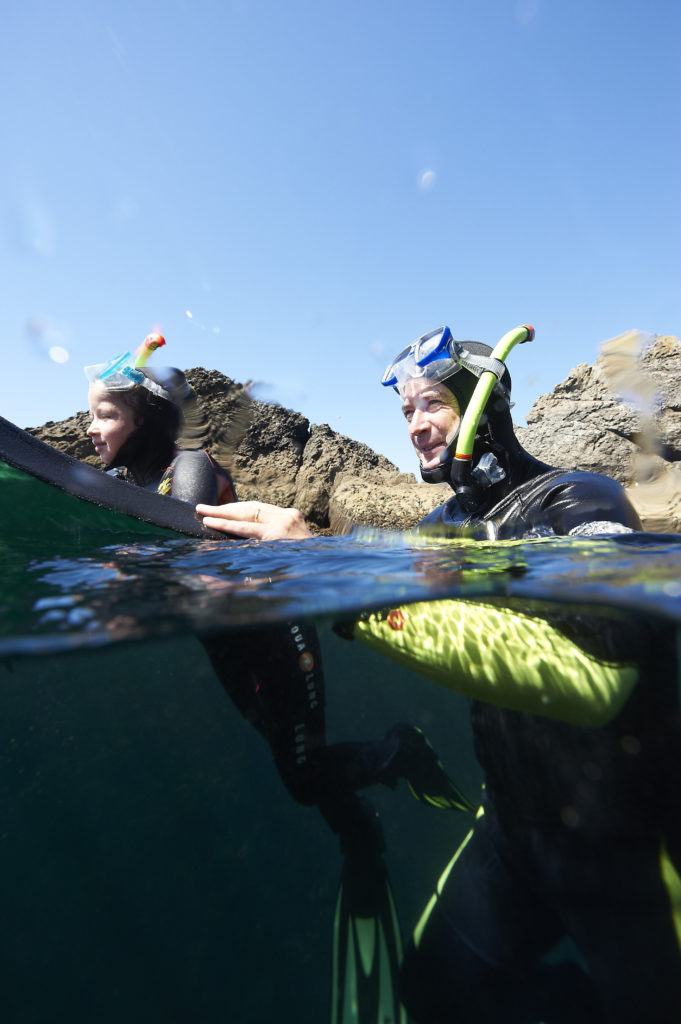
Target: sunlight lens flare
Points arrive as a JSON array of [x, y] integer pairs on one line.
[[59, 354], [48, 339]]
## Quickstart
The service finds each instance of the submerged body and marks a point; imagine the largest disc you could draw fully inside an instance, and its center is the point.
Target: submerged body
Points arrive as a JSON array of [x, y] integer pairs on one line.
[[579, 827]]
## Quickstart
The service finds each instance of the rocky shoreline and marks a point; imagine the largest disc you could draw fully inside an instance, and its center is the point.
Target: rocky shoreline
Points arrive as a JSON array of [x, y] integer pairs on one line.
[[621, 416]]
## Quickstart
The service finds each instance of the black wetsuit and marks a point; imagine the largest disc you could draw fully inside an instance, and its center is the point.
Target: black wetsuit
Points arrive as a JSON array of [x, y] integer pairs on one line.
[[547, 501], [191, 472], [574, 819]]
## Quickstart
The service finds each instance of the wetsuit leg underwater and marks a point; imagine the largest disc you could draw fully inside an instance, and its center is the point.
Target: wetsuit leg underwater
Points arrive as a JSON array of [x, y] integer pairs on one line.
[[275, 679], [481, 950]]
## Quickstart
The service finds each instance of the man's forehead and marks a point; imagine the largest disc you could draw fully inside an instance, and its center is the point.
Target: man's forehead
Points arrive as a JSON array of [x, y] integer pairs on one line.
[[416, 388]]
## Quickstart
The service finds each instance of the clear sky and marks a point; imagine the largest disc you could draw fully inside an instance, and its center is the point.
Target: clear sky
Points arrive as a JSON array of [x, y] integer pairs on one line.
[[292, 190]]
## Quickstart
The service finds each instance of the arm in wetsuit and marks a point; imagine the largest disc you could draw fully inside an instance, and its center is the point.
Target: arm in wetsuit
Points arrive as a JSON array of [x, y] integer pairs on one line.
[[191, 478]]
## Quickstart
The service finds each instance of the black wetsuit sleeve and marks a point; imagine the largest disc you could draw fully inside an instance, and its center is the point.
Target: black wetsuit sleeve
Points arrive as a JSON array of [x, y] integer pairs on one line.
[[577, 499], [193, 479], [446, 515]]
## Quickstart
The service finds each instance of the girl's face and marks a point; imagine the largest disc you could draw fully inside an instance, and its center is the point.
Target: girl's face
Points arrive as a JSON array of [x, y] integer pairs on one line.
[[112, 421]]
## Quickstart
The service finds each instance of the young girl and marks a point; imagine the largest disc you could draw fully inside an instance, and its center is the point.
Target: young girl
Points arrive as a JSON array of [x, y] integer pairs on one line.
[[137, 417]]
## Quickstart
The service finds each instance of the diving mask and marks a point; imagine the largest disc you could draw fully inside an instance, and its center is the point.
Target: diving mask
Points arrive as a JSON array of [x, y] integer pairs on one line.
[[437, 356], [125, 371]]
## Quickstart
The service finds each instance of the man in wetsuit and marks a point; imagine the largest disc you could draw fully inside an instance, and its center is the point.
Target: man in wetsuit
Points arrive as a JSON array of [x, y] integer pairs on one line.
[[577, 822], [578, 835]]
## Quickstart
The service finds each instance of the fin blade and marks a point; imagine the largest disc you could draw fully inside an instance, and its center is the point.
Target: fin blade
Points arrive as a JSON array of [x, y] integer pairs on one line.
[[367, 947]]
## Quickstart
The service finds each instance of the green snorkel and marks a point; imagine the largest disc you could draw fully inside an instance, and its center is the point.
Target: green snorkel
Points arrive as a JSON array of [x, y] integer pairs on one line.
[[463, 456]]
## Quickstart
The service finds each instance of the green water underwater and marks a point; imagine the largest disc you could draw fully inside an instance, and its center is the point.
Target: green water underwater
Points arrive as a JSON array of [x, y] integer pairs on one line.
[[155, 867]]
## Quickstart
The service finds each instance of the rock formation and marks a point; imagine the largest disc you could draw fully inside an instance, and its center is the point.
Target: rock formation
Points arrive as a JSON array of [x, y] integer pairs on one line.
[[621, 416]]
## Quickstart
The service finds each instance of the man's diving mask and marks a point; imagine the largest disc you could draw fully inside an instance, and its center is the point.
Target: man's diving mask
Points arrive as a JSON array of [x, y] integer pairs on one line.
[[436, 356]]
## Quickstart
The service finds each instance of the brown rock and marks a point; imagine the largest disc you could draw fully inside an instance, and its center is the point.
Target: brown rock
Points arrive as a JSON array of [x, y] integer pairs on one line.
[[397, 502], [69, 436], [326, 456], [622, 417]]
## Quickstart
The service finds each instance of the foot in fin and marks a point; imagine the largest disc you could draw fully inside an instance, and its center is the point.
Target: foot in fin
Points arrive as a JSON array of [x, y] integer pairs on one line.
[[417, 762], [367, 945]]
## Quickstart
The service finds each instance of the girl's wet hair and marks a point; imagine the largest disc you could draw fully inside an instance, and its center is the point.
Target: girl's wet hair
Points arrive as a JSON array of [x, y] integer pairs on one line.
[[150, 448]]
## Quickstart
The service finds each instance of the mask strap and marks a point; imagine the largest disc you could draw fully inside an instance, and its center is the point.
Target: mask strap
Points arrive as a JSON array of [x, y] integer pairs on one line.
[[477, 365]]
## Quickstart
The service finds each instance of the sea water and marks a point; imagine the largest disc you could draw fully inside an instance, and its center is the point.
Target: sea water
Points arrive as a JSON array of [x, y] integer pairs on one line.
[[154, 867]]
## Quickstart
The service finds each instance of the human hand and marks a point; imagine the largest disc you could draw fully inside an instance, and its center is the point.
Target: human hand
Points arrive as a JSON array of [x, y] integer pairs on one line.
[[255, 520]]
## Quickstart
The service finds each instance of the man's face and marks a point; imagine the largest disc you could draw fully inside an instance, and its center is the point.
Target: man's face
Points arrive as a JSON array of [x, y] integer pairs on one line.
[[433, 418]]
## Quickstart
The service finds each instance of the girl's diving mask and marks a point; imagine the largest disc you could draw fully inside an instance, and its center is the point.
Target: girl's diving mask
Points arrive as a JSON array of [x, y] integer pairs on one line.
[[125, 371], [436, 356]]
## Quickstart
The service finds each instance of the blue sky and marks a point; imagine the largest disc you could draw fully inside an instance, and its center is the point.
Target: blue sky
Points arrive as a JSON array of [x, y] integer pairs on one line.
[[293, 191]]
